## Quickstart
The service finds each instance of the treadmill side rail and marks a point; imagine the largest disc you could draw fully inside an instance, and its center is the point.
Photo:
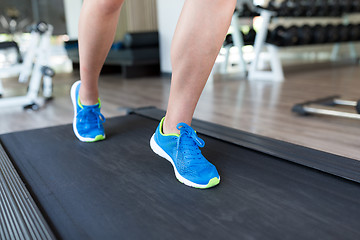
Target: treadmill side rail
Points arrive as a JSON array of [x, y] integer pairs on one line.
[[20, 218]]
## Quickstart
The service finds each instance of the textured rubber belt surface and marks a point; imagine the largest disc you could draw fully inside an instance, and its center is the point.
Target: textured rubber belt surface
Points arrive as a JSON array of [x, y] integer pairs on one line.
[[19, 216], [119, 189]]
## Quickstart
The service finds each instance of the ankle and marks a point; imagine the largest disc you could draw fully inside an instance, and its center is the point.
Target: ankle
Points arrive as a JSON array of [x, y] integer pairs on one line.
[[88, 102], [169, 129], [88, 98]]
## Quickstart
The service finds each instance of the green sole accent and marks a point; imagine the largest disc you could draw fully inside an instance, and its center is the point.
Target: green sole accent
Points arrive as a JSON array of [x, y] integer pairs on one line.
[[212, 183], [98, 138]]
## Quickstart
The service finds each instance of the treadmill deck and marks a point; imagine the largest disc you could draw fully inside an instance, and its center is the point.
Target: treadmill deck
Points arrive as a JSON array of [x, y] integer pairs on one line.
[[120, 189]]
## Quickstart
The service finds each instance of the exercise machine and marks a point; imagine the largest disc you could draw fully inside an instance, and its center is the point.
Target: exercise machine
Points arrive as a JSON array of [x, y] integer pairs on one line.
[[120, 189], [32, 70], [329, 106], [12, 22]]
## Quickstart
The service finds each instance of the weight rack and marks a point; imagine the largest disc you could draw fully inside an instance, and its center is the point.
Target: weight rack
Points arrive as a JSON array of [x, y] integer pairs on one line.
[[268, 11]]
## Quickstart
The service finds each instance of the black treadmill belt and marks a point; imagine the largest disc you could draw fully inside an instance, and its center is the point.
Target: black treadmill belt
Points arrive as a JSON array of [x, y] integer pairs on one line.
[[119, 189], [334, 164]]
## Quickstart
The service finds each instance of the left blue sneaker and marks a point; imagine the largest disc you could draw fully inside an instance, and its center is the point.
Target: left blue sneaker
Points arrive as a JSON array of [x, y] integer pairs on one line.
[[88, 121], [182, 150]]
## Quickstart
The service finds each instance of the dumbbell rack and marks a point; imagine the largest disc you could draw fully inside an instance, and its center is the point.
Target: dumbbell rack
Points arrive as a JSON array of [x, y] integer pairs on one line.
[[276, 73], [262, 40]]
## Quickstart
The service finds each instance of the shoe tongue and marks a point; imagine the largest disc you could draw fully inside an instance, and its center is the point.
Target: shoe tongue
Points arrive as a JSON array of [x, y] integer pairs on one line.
[[190, 135]]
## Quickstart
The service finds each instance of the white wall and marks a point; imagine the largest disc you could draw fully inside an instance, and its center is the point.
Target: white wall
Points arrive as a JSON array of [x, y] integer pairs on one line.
[[72, 15], [168, 13]]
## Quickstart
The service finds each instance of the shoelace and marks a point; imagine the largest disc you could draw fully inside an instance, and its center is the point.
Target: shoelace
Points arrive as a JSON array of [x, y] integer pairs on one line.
[[190, 141], [92, 115]]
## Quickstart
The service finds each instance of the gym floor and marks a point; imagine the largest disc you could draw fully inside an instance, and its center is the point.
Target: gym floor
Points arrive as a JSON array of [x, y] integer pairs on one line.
[[260, 107]]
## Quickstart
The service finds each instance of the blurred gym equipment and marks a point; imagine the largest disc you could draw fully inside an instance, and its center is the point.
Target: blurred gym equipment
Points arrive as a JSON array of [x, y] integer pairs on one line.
[[34, 67]]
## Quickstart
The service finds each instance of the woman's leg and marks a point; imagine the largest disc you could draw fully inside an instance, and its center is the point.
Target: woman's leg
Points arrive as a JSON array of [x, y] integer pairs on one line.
[[97, 26], [198, 37], [199, 34]]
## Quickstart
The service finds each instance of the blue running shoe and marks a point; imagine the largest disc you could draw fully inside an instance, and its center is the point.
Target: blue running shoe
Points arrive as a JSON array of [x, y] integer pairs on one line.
[[182, 150], [88, 121]]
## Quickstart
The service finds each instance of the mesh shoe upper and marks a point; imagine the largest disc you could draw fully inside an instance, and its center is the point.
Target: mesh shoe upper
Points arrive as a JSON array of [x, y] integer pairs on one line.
[[184, 150], [88, 121]]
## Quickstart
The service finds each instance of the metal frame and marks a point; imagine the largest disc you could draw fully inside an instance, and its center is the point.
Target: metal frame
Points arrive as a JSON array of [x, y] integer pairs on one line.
[[239, 43], [276, 73], [351, 47]]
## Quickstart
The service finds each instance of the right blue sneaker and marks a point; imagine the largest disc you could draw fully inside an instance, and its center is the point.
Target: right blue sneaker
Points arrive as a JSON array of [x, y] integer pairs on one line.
[[182, 150], [88, 121]]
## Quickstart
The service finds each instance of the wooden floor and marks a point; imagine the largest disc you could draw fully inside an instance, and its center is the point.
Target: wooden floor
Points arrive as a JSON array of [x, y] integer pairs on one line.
[[259, 107]]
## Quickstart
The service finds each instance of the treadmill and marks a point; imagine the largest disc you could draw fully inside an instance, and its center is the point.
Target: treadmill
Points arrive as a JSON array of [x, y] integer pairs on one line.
[[55, 187]]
